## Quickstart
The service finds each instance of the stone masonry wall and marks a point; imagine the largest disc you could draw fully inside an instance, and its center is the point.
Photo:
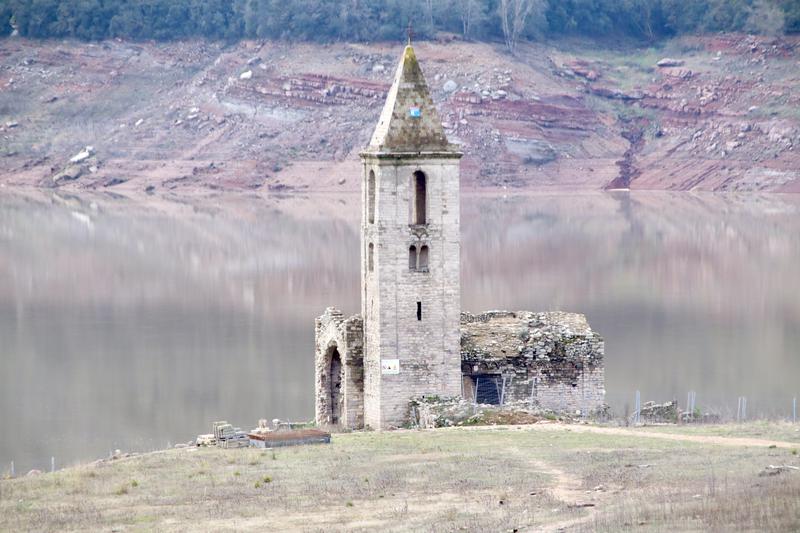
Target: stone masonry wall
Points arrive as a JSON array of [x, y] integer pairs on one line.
[[333, 331], [427, 349], [550, 360]]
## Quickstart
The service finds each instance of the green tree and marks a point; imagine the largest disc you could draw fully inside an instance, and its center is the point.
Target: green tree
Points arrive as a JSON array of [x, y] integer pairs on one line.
[[370, 20], [6, 15], [766, 18], [255, 15], [35, 18], [82, 19]]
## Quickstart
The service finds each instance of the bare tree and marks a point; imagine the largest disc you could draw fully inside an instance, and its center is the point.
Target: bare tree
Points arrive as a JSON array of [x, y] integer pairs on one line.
[[466, 11], [513, 16], [642, 15], [429, 12]]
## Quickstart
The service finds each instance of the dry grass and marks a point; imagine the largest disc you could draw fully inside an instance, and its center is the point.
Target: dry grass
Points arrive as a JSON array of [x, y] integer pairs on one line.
[[724, 503], [460, 479], [761, 429]]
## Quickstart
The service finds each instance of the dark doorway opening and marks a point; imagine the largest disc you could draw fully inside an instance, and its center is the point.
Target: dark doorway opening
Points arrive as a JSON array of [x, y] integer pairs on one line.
[[336, 386], [487, 389]]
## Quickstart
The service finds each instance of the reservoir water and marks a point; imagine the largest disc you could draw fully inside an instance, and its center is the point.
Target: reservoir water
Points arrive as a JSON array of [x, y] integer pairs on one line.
[[135, 323]]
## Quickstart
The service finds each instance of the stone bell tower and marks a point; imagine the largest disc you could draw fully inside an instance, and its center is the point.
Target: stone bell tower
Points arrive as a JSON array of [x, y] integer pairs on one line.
[[410, 240]]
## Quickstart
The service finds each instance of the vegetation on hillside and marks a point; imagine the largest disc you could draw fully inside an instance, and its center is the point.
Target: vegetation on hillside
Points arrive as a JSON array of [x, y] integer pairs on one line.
[[362, 20]]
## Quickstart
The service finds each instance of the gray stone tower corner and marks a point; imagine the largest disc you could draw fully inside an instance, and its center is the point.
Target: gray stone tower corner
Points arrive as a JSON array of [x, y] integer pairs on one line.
[[410, 254]]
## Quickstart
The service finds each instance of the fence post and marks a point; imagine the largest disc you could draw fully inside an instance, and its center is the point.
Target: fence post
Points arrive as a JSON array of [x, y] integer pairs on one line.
[[794, 409], [52, 464], [741, 409], [533, 386], [12, 468], [638, 407]]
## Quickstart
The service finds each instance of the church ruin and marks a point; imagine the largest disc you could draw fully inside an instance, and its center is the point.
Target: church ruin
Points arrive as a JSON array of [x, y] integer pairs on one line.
[[411, 339]]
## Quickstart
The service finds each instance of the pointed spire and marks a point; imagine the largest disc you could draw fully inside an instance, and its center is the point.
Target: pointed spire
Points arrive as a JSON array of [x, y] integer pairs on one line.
[[409, 121]]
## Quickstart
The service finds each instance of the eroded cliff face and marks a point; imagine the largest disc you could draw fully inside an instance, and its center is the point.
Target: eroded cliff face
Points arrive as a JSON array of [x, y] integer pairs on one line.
[[721, 114]]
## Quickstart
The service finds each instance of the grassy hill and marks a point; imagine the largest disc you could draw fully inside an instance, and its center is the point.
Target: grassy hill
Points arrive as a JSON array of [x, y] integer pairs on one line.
[[506, 478]]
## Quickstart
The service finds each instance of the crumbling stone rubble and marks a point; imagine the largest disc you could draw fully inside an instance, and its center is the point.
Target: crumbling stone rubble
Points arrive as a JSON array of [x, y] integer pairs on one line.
[[659, 412], [429, 412], [549, 360]]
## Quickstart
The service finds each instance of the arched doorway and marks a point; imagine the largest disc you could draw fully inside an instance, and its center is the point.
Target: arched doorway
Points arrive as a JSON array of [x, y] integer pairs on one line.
[[335, 373]]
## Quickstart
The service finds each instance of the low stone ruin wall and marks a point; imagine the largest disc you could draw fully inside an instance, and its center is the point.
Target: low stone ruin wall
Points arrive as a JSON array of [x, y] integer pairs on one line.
[[437, 412], [659, 412], [339, 370], [528, 363], [548, 360]]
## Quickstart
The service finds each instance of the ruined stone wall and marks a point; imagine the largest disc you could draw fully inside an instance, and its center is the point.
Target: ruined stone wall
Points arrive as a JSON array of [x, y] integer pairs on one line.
[[427, 349], [550, 360], [352, 330], [333, 331]]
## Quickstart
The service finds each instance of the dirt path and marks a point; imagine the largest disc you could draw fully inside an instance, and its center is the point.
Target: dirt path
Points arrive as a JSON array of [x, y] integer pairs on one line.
[[701, 439], [625, 432], [567, 489]]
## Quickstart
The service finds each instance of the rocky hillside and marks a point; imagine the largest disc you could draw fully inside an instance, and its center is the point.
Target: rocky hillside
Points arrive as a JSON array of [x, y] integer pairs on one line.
[[712, 113]]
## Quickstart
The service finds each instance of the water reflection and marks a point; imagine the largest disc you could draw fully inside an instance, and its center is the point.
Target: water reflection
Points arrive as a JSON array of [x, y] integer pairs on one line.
[[130, 324], [691, 292]]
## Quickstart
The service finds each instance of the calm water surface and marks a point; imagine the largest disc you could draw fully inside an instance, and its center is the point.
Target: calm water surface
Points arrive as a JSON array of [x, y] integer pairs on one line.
[[129, 324]]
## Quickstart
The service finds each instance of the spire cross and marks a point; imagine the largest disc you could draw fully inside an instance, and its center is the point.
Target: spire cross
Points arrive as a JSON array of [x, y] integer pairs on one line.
[[409, 32]]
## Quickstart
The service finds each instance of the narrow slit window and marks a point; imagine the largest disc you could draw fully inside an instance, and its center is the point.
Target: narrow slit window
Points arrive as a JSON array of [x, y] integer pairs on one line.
[[419, 310], [370, 257], [423, 259], [419, 198], [371, 197], [412, 258]]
